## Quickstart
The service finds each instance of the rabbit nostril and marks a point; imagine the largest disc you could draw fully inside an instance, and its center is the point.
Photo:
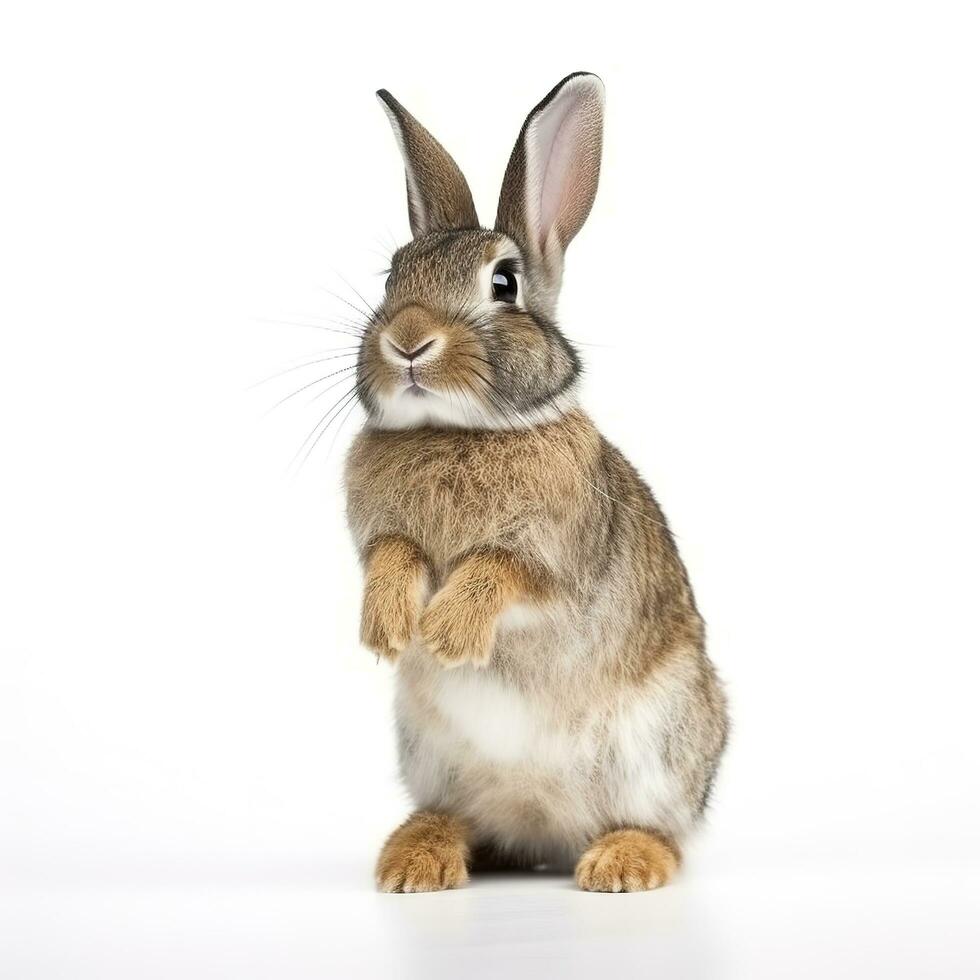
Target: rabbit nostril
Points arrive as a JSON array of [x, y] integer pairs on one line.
[[410, 355], [421, 349]]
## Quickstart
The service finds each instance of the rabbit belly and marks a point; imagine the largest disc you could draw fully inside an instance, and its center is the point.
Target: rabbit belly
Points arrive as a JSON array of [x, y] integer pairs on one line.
[[536, 779]]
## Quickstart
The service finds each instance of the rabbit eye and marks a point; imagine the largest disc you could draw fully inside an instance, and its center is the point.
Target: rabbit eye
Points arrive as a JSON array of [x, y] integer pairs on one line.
[[504, 285]]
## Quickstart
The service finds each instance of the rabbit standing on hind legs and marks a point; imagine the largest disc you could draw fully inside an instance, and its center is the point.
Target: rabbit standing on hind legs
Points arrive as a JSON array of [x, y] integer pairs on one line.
[[554, 700]]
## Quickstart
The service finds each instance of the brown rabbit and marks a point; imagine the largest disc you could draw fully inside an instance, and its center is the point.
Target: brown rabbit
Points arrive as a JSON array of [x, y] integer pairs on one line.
[[555, 703]]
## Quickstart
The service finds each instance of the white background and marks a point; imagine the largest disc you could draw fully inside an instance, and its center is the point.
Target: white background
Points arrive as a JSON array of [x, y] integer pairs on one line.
[[777, 300]]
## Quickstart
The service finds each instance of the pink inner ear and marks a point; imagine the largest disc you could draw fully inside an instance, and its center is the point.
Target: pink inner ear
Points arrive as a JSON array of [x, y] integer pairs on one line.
[[557, 138], [556, 169]]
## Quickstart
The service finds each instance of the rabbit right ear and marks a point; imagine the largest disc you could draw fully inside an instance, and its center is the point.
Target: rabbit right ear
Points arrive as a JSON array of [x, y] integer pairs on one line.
[[553, 175], [439, 198]]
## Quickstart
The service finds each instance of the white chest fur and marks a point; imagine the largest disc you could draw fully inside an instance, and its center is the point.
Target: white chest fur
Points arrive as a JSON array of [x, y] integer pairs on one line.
[[500, 724]]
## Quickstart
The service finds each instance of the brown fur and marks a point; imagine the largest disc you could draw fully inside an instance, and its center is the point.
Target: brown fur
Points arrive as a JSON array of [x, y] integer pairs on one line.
[[443, 490]]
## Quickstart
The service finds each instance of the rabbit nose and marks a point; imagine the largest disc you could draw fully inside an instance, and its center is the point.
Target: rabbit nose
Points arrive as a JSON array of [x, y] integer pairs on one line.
[[410, 355], [399, 355]]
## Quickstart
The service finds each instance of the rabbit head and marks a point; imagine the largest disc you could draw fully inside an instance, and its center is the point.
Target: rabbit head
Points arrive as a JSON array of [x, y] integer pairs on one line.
[[465, 334]]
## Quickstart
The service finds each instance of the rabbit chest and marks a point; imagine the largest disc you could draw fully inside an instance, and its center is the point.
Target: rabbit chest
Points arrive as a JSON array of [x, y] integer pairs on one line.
[[453, 491]]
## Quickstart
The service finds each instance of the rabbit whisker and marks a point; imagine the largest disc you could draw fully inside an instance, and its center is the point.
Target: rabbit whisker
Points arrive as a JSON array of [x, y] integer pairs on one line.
[[317, 381], [310, 326], [351, 352], [368, 316], [342, 400], [349, 398], [375, 314]]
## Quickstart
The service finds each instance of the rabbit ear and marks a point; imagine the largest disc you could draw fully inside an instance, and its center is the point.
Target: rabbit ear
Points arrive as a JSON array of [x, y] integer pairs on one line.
[[438, 195], [553, 174]]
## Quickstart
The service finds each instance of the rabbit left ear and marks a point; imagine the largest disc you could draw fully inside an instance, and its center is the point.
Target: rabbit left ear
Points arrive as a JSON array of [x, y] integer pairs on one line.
[[438, 196], [553, 174]]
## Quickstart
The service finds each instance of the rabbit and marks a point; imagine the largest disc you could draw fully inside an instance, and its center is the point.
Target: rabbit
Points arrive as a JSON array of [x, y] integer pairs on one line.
[[554, 702]]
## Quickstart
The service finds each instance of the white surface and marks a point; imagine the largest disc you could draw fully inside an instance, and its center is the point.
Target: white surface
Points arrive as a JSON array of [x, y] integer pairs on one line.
[[763, 915], [776, 297]]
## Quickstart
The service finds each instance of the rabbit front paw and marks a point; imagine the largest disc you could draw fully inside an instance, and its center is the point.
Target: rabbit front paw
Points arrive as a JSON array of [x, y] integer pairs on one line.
[[456, 629], [389, 617]]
